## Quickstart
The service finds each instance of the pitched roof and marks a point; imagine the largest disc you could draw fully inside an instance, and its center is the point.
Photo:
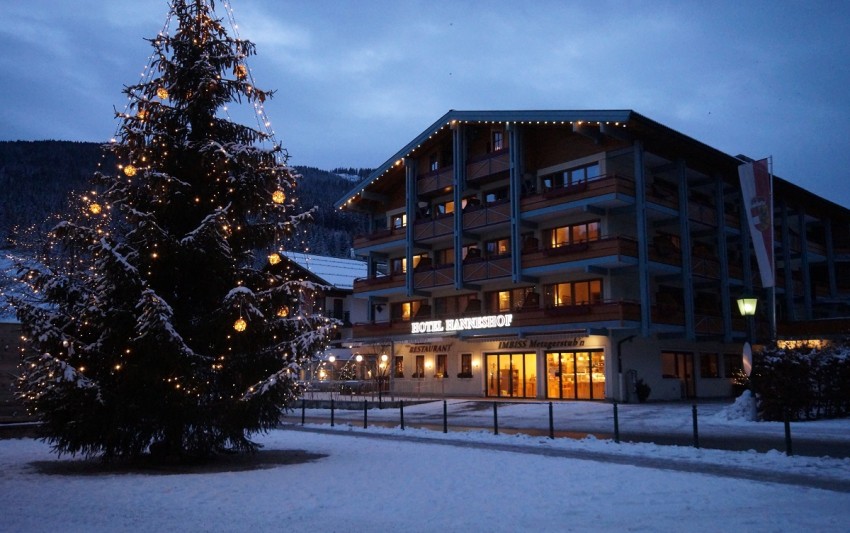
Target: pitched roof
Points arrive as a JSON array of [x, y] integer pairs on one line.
[[334, 271]]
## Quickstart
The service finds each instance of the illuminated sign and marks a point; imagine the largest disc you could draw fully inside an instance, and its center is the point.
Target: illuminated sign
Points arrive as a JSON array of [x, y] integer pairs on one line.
[[462, 324]]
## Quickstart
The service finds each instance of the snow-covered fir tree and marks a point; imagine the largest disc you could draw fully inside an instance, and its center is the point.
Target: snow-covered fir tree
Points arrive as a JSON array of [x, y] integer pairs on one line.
[[163, 320]]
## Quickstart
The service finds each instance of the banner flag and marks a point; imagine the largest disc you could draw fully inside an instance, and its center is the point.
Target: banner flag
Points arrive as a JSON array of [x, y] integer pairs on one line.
[[757, 189]]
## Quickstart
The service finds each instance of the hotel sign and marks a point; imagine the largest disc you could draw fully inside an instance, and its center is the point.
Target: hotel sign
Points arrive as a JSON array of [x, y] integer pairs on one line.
[[462, 324]]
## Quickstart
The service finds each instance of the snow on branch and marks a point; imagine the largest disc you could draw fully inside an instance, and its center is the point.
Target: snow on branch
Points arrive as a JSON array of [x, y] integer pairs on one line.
[[48, 371]]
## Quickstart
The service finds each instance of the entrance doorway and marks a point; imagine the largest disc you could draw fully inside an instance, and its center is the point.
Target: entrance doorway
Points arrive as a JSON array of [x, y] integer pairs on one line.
[[512, 375], [575, 375]]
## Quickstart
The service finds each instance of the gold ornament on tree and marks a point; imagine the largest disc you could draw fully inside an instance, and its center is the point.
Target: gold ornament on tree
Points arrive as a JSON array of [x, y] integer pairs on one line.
[[274, 258], [130, 171], [283, 312], [162, 92], [95, 208], [278, 197], [240, 325]]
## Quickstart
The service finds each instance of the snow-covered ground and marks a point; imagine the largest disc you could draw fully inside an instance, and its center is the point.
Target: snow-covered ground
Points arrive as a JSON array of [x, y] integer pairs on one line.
[[386, 479]]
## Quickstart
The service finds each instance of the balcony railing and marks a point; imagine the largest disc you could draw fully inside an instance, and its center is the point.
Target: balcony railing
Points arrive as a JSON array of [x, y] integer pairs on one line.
[[481, 167], [440, 276], [380, 236], [486, 215], [435, 181], [602, 186], [484, 269], [379, 283], [605, 247], [430, 228], [620, 311]]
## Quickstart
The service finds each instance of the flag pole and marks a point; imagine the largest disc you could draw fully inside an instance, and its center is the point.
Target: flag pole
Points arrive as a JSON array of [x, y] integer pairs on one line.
[[773, 254]]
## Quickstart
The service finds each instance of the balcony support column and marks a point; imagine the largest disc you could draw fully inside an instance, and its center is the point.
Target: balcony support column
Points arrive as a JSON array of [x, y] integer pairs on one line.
[[830, 258], [723, 255], [804, 266], [459, 179], [410, 207], [790, 312], [641, 228], [516, 172], [686, 251]]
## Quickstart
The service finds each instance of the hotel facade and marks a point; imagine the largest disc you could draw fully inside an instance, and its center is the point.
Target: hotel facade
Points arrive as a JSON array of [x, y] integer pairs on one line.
[[576, 254]]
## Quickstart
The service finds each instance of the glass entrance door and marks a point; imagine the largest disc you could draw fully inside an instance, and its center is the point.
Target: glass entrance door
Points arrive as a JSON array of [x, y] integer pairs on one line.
[[575, 375], [512, 375]]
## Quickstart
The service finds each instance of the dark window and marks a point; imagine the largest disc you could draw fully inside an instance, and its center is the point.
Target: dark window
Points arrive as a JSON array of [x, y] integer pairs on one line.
[[709, 365], [571, 177], [465, 365], [498, 141], [433, 162], [442, 366], [398, 367]]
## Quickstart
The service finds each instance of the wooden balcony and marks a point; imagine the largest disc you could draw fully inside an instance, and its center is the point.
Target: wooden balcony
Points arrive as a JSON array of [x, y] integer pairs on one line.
[[603, 186], [432, 228], [480, 168], [486, 215], [394, 281], [486, 269], [427, 278], [381, 236], [381, 329], [612, 311], [436, 181], [608, 247]]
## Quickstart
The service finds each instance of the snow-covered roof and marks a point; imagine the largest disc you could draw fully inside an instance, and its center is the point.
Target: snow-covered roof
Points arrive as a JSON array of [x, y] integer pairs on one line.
[[339, 273]]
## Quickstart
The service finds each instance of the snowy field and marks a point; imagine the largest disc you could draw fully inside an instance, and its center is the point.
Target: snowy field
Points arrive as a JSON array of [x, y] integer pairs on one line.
[[387, 480]]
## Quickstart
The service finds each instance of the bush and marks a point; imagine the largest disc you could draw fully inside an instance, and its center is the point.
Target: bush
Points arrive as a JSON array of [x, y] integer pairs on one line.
[[807, 383]]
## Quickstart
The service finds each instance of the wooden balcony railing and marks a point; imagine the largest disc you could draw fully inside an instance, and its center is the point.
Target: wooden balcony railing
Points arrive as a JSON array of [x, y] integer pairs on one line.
[[609, 246], [481, 167], [601, 186], [435, 181], [379, 283], [486, 215], [439, 276], [485, 269], [380, 237], [430, 228]]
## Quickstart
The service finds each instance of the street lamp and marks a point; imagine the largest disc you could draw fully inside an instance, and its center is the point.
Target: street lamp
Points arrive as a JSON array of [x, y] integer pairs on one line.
[[747, 305]]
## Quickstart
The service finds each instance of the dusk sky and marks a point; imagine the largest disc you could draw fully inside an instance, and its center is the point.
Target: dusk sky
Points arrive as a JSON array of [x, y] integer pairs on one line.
[[357, 80]]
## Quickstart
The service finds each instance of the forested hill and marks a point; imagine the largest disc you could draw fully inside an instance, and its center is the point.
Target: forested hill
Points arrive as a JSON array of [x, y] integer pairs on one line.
[[36, 178]]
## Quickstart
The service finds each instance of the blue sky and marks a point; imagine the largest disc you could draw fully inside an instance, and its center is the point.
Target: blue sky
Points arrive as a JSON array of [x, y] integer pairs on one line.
[[356, 80]]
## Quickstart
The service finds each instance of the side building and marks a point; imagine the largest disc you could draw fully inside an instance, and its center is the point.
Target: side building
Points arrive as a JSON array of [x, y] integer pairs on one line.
[[573, 254]]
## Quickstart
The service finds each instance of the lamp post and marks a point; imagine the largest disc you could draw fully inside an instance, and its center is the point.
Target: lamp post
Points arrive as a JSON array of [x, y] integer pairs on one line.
[[747, 307]]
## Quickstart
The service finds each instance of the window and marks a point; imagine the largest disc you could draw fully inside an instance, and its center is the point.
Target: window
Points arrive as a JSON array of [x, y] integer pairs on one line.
[[498, 141], [471, 252], [404, 310], [446, 256], [399, 221], [574, 293], [399, 264], [709, 365], [453, 305], [496, 196], [465, 365], [571, 177], [498, 247], [398, 366], [733, 364], [420, 367], [572, 234], [505, 301], [442, 366], [433, 162], [444, 208]]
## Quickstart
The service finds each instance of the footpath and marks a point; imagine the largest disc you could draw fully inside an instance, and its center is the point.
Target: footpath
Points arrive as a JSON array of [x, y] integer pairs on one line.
[[672, 464]]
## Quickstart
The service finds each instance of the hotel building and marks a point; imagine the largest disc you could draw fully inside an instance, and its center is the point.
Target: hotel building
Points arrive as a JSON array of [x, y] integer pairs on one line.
[[572, 254]]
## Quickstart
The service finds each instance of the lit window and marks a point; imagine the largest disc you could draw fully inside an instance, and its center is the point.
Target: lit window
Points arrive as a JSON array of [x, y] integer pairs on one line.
[[498, 141]]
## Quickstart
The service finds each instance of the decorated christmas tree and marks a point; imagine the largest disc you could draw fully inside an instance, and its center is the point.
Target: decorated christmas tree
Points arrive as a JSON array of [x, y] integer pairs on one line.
[[164, 320]]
